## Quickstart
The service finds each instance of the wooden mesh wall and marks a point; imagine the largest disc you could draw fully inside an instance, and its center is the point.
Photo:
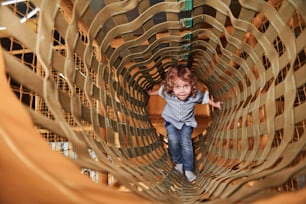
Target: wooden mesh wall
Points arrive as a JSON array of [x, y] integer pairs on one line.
[[81, 68]]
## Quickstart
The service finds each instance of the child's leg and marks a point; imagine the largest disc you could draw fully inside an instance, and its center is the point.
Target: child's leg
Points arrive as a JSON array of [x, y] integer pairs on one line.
[[174, 140], [187, 152], [187, 148]]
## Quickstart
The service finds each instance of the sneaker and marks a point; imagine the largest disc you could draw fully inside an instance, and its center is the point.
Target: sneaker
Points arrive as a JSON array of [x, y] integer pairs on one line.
[[179, 167], [190, 176]]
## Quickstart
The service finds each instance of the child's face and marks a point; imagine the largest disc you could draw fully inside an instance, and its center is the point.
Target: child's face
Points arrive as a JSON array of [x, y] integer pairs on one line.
[[182, 89]]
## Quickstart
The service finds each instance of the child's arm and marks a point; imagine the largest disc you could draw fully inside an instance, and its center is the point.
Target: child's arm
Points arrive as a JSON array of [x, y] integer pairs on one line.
[[207, 100], [215, 104], [152, 93]]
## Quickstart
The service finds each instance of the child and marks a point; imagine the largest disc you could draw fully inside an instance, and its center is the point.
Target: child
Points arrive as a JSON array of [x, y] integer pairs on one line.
[[179, 90]]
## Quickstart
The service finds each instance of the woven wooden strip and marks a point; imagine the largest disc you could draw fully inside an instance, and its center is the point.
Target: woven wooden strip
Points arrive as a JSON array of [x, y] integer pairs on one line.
[[82, 69]]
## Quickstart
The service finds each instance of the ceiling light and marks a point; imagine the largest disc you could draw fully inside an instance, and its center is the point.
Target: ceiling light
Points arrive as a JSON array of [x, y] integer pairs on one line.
[[5, 3], [30, 14]]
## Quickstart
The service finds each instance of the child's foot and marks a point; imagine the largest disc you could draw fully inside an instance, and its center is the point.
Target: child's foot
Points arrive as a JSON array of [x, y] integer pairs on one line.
[[179, 167], [190, 176]]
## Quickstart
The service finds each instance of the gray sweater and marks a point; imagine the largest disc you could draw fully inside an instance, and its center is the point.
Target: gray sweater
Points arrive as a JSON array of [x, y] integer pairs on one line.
[[179, 112]]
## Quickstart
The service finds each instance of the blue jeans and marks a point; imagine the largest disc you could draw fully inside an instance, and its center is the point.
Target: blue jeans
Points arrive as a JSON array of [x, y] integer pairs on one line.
[[180, 145]]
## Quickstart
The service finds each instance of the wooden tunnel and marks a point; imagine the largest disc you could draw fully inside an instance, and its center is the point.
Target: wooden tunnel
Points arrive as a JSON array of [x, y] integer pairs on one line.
[[76, 124]]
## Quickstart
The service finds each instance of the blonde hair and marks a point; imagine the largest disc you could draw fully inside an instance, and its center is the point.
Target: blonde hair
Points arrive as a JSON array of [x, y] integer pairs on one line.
[[182, 72]]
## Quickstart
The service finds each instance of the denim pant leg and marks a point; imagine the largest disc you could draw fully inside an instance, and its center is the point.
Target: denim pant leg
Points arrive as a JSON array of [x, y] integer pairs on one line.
[[187, 148], [174, 143]]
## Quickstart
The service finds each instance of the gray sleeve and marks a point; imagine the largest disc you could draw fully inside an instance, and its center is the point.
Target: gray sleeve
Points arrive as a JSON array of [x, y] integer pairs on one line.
[[205, 98], [160, 91]]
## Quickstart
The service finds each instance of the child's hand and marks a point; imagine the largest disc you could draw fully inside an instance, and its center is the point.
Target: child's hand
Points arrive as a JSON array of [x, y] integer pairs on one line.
[[218, 105], [149, 92]]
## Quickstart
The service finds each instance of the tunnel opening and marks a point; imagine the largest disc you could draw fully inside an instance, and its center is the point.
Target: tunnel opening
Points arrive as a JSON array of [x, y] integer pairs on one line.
[[82, 68]]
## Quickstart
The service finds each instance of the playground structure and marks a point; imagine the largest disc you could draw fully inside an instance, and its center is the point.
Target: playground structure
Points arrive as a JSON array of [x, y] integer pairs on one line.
[[80, 71]]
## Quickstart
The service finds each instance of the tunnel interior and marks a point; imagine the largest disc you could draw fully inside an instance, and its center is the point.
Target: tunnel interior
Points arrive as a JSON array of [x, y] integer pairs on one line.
[[82, 68]]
